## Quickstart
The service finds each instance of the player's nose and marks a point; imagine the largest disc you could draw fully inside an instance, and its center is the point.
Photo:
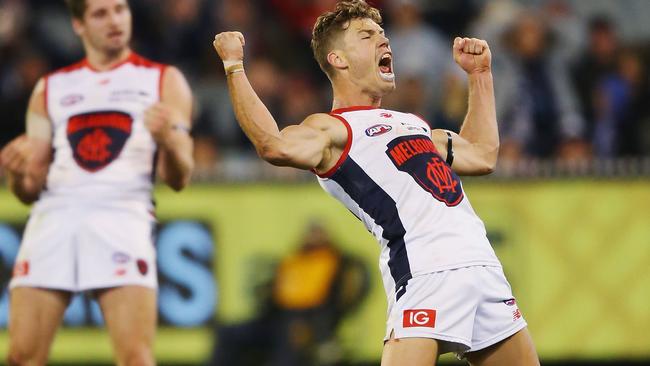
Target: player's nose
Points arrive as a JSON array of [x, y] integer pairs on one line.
[[384, 41]]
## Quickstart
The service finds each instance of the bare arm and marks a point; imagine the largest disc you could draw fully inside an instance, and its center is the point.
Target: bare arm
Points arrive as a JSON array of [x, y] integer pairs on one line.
[[26, 159], [169, 123], [305, 146], [476, 147]]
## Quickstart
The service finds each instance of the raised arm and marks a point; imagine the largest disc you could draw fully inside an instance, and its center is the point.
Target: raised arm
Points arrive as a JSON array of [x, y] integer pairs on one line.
[[314, 144], [169, 122], [476, 147], [26, 159]]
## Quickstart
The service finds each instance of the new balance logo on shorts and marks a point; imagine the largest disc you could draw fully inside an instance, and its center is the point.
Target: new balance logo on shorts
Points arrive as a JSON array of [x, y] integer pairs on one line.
[[419, 318]]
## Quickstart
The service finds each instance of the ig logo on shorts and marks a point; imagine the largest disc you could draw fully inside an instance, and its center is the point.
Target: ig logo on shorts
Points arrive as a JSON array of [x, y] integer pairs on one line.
[[419, 318]]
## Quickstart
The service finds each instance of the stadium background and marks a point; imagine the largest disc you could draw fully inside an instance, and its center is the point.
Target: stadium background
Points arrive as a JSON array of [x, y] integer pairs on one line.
[[569, 219]]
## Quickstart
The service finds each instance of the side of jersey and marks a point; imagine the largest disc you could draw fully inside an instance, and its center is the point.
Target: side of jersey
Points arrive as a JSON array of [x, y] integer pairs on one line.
[[102, 149], [393, 179]]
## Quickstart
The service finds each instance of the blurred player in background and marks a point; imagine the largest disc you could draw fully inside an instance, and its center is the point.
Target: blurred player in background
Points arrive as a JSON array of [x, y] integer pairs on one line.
[[97, 133], [445, 286]]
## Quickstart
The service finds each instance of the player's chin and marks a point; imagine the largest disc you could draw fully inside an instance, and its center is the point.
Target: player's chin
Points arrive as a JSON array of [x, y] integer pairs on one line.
[[387, 85]]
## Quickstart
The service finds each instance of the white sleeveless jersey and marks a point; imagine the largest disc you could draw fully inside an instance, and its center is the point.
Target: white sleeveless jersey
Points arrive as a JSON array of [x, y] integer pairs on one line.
[[392, 178], [102, 149]]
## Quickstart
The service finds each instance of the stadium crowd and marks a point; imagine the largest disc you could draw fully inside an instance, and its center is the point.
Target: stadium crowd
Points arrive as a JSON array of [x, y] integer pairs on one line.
[[571, 77]]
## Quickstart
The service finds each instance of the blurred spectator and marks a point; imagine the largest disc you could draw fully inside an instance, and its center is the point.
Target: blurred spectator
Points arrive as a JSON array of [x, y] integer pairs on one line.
[[597, 62], [422, 59], [312, 290], [15, 89], [621, 108], [536, 109], [613, 87], [535, 105]]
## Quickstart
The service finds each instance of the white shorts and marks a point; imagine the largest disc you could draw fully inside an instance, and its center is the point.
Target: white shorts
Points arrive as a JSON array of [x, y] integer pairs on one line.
[[465, 309], [83, 248]]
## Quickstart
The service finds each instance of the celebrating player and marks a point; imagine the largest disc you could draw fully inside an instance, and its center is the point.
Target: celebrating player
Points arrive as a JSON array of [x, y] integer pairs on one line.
[[97, 133], [446, 289]]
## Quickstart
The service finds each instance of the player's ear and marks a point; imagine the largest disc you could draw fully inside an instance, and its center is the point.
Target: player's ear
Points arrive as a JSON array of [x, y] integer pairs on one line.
[[77, 26], [337, 60]]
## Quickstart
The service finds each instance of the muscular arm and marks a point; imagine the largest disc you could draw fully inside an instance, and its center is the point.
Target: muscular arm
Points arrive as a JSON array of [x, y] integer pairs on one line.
[[305, 146], [27, 158], [175, 160], [476, 147]]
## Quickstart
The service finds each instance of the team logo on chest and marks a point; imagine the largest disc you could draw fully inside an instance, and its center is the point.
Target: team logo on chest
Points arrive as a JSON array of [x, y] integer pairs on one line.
[[97, 138], [418, 156]]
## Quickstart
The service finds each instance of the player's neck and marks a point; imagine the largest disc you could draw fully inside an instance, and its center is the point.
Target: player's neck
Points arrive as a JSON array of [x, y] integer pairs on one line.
[[349, 96], [102, 61]]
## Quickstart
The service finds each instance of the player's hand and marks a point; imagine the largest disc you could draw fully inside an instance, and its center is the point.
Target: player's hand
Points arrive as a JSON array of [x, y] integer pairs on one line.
[[160, 120], [14, 156], [230, 46], [472, 55]]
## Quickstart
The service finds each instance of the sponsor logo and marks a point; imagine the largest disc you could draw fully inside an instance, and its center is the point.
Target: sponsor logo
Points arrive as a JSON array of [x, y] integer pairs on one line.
[[120, 272], [418, 156], [143, 267], [128, 95], [377, 130], [21, 268], [414, 128], [104, 81], [71, 99], [97, 138], [510, 302], [419, 318], [121, 257], [386, 115], [516, 315]]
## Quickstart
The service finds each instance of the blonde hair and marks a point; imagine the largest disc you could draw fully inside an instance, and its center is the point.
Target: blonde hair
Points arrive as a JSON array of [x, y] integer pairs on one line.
[[330, 25]]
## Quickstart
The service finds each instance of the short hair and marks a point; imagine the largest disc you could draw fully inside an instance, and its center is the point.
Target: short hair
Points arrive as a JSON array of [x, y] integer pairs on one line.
[[329, 25], [77, 8]]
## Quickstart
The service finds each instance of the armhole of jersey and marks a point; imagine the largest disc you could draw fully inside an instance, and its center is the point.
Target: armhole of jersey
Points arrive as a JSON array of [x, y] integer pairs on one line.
[[346, 150], [430, 130]]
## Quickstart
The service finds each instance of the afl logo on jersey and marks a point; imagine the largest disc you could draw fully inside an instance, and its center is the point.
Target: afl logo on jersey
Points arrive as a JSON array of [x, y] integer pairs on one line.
[[418, 156], [71, 99], [377, 130], [97, 138]]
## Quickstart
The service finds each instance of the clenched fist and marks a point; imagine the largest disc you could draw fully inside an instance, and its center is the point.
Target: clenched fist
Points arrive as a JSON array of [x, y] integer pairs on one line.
[[472, 55], [229, 46], [160, 120], [15, 155]]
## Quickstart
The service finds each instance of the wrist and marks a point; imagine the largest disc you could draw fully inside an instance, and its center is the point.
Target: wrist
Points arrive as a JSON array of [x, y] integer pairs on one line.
[[478, 73], [233, 66]]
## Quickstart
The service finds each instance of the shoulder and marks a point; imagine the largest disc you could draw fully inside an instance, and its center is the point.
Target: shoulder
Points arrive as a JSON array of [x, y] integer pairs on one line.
[[321, 121], [336, 128], [173, 85], [173, 77], [67, 69]]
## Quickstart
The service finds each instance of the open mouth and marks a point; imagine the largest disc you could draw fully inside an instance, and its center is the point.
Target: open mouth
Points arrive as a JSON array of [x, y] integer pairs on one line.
[[386, 67], [115, 34]]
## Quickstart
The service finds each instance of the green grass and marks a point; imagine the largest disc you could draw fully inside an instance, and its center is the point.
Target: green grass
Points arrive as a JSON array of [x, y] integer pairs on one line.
[[84, 346]]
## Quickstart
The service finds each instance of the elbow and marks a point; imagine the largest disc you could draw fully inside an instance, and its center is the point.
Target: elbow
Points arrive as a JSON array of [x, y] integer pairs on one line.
[[273, 154], [487, 162], [490, 164], [179, 185], [489, 168], [27, 198]]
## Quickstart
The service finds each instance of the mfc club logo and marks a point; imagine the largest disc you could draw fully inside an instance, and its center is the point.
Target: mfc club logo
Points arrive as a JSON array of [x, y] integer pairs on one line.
[[419, 318], [97, 138], [418, 156]]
